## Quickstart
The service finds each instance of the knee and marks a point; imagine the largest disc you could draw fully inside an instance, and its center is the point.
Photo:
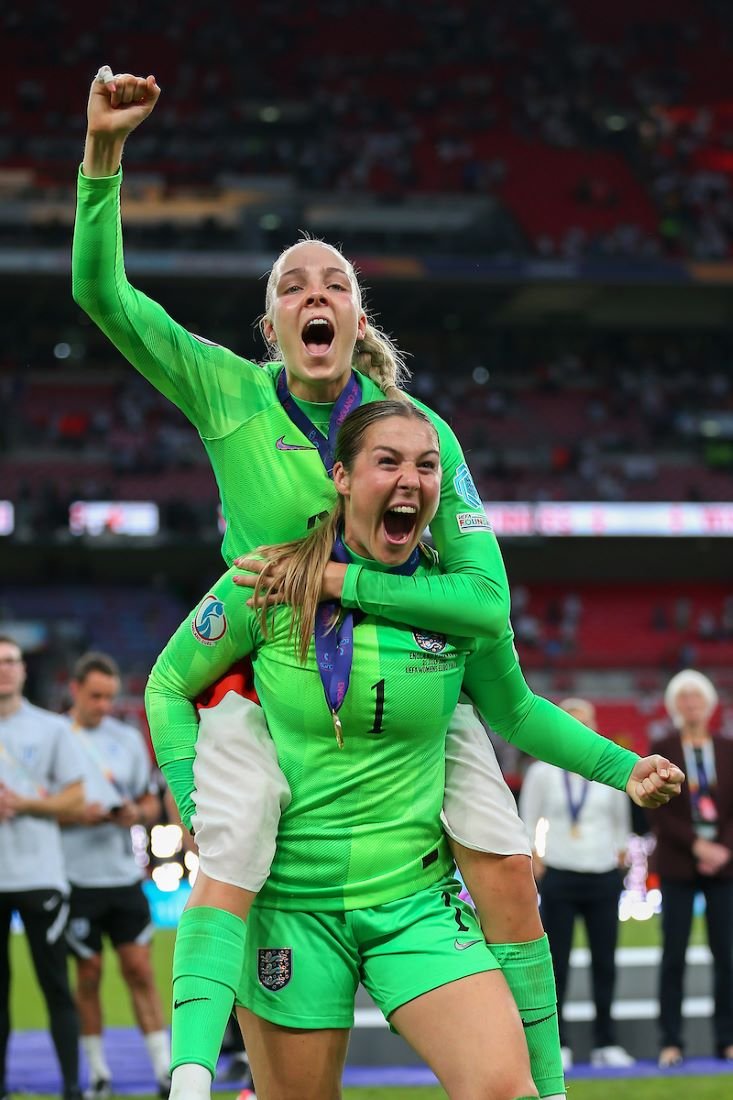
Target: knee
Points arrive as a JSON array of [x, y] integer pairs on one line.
[[89, 975], [137, 972], [506, 1085]]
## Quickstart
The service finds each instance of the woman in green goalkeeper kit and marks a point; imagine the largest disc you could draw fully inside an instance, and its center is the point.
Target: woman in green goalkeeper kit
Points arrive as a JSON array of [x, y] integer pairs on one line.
[[266, 431], [360, 887]]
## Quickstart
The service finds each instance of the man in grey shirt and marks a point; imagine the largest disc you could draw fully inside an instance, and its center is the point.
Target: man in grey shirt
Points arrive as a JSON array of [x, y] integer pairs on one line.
[[107, 898], [40, 780]]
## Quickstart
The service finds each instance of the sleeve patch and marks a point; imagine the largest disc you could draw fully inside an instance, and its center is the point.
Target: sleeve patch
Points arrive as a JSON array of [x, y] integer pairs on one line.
[[209, 624], [464, 486], [471, 521]]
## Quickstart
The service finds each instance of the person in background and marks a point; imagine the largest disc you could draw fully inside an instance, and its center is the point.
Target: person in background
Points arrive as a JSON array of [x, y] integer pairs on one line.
[[106, 893], [693, 855], [40, 777], [578, 864]]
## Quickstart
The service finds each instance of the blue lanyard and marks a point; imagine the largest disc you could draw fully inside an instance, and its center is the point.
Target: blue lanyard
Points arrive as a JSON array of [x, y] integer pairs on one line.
[[348, 400], [575, 805], [335, 644]]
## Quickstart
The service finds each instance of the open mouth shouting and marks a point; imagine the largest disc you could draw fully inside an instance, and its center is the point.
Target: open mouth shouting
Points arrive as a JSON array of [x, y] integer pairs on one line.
[[398, 523], [318, 335]]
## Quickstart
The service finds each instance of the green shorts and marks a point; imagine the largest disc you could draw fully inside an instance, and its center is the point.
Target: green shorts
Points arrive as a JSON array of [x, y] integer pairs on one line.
[[302, 969]]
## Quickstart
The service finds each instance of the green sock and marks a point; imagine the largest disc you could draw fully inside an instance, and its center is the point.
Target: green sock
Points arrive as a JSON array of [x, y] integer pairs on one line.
[[207, 966], [527, 968]]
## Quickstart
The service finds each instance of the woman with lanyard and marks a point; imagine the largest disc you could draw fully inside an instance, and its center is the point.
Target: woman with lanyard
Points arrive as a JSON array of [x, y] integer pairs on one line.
[[577, 860], [275, 424], [361, 885], [694, 856]]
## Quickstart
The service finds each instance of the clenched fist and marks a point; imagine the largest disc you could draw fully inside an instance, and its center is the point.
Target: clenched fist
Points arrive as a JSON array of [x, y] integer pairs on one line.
[[118, 104], [654, 781]]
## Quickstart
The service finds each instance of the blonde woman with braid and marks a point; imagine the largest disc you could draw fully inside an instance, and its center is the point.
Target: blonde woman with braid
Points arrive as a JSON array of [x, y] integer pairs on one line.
[[269, 432]]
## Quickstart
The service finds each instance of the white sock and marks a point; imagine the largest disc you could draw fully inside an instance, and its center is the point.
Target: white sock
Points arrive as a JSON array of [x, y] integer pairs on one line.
[[159, 1049], [191, 1082], [94, 1054]]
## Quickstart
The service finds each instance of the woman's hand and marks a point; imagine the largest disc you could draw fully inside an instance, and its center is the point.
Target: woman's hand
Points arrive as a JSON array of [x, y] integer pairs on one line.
[[256, 567], [654, 781], [117, 105], [331, 582]]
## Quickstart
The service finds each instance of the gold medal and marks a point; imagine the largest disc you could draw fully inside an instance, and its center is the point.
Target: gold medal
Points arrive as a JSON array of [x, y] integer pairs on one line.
[[338, 729], [575, 830]]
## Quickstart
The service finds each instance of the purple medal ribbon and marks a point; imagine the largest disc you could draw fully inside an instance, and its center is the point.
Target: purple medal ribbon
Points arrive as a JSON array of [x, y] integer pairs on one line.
[[575, 805], [335, 646], [348, 400]]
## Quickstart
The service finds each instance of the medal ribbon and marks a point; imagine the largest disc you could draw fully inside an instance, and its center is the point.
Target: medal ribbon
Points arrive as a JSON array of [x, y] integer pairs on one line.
[[701, 779], [348, 400], [335, 644], [575, 805]]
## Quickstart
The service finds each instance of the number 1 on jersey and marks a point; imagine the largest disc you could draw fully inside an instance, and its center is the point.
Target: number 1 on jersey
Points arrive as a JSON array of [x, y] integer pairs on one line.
[[378, 707]]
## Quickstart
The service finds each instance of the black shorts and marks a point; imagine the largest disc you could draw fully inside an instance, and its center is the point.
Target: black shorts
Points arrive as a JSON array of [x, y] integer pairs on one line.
[[120, 912]]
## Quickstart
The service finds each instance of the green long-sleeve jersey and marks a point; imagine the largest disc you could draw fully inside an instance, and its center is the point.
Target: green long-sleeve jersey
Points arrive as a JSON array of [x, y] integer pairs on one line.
[[363, 826], [271, 480]]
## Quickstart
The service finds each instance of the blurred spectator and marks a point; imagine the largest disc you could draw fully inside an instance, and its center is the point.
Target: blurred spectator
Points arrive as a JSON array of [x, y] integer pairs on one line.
[[579, 833], [40, 780], [694, 855], [106, 893]]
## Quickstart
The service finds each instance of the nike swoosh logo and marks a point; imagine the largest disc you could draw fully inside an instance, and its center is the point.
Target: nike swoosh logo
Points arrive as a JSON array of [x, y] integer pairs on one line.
[[190, 1000], [283, 446], [463, 946], [542, 1020]]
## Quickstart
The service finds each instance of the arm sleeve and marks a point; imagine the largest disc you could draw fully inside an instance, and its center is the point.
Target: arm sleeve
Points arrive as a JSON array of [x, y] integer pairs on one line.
[[183, 670], [68, 760], [212, 386], [496, 685], [470, 598]]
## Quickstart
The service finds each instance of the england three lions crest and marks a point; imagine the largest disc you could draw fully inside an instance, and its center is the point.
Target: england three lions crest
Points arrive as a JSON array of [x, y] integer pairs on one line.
[[274, 967], [431, 643]]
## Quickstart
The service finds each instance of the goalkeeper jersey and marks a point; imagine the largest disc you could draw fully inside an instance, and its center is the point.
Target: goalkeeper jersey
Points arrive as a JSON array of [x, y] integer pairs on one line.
[[271, 480], [363, 826]]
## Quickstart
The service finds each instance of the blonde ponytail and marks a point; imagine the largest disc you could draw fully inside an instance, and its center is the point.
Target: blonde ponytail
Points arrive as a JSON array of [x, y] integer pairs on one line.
[[300, 586], [378, 357]]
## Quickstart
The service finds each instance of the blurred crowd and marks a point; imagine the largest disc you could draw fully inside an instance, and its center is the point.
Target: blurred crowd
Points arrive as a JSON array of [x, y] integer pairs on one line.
[[617, 113]]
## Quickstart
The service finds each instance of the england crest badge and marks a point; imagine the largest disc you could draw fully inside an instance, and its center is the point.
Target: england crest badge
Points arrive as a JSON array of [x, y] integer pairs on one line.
[[274, 967]]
